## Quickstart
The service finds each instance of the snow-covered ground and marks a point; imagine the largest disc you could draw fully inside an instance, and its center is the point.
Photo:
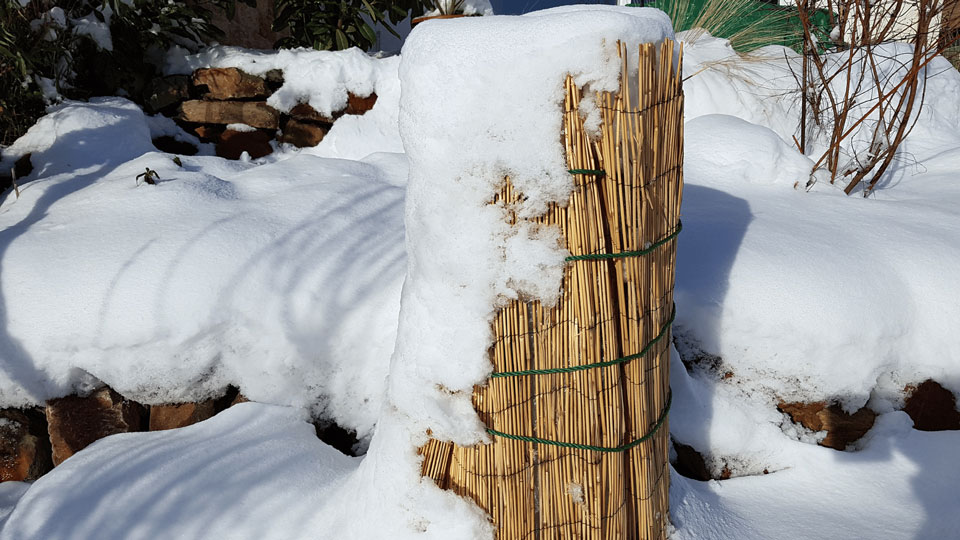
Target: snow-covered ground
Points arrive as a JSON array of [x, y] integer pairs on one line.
[[283, 276]]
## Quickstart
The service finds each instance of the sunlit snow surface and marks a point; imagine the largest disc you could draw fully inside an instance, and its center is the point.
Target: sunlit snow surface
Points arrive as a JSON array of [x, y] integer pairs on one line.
[[284, 276]]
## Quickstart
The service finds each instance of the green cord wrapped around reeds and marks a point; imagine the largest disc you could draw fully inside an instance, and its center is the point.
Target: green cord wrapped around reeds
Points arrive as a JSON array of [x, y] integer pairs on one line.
[[578, 401]]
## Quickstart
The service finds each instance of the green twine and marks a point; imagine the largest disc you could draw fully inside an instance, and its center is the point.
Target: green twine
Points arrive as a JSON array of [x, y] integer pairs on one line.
[[587, 171], [602, 256], [608, 449], [621, 360], [646, 251]]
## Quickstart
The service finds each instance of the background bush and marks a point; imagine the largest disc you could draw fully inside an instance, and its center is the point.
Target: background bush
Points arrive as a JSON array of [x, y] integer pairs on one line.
[[40, 46], [340, 24]]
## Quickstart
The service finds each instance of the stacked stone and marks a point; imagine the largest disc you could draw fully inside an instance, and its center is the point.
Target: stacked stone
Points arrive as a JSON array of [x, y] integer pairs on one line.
[[212, 99], [34, 440]]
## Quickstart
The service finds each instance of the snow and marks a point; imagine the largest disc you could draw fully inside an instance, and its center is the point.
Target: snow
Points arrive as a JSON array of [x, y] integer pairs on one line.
[[352, 283], [902, 484], [243, 128], [161, 126], [169, 293], [252, 472], [817, 295], [320, 78], [719, 142], [10, 493], [90, 26]]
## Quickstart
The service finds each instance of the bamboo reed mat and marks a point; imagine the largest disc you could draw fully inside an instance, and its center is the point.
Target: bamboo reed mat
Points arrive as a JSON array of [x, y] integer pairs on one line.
[[569, 458]]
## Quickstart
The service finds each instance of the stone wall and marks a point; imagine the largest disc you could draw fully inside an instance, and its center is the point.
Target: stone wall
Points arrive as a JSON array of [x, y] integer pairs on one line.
[[34, 441], [228, 107]]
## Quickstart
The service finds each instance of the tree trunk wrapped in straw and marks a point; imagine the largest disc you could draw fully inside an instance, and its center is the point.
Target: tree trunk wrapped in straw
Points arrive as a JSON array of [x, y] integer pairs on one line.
[[578, 400]]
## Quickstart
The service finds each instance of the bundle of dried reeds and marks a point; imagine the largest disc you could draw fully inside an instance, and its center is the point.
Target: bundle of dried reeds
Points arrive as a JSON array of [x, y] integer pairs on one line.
[[577, 403]]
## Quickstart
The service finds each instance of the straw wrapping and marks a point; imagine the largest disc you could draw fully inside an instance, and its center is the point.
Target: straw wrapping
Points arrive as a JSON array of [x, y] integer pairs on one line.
[[558, 464], [645, 251], [553, 371]]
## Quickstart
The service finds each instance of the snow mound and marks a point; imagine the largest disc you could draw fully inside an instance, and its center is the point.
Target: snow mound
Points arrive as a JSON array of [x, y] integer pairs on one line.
[[282, 279], [79, 136], [812, 296], [728, 149], [760, 89], [902, 484], [253, 472]]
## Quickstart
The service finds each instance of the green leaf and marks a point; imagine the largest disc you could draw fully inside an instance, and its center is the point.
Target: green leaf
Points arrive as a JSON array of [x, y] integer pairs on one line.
[[342, 42], [397, 12], [368, 33], [374, 14]]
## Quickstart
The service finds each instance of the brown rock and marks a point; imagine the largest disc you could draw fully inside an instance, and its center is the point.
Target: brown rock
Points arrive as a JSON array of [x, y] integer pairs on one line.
[[74, 422], [24, 447], [177, 416], [303, 111], [253, 113], [234, 143], [230, 83], [932, 407], [360, 105], [209, 133], [842, 428], [302, 134], [239, 399]]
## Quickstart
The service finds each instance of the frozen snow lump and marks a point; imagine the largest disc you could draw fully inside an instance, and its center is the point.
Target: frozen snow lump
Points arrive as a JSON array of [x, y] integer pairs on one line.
[[727, 148]]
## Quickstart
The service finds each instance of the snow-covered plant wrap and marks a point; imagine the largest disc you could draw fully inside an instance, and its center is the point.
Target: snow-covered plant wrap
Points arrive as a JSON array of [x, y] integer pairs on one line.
[[465, 259]]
